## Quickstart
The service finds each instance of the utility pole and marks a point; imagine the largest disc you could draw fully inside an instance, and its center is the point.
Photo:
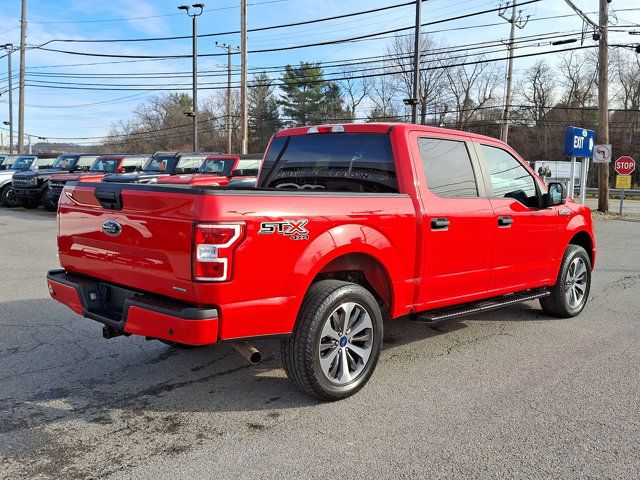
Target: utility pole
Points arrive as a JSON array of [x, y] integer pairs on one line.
[[416, 64], [515, 21], [603, 105], [23, 38], [194, 111], [229, 117], [244, 117], [9, 48]]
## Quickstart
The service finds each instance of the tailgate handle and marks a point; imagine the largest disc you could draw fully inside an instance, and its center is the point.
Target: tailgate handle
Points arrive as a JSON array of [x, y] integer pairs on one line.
[[109, 199]]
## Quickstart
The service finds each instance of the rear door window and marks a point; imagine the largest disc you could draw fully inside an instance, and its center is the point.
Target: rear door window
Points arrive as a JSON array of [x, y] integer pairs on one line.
[[334, 162], [447, 167]]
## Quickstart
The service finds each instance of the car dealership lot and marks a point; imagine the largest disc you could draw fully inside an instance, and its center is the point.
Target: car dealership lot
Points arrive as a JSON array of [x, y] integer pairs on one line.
[[510, 393]]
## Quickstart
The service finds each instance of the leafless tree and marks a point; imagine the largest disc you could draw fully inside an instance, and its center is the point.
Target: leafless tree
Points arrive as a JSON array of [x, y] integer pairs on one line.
[[472, 87], [432, 84], [355, 87]]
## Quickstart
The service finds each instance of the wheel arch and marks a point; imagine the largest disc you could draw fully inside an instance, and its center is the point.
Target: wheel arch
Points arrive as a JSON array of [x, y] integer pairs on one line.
[[584, 240], [360, 254]]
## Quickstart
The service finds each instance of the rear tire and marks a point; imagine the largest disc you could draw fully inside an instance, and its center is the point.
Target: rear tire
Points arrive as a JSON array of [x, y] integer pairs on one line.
[[336, 342], [570, 293], [7, 197], [49, 202]]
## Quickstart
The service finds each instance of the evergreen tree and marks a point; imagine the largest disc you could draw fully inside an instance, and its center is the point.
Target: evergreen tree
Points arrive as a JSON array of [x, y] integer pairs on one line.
[[303, 93], [264, 117]]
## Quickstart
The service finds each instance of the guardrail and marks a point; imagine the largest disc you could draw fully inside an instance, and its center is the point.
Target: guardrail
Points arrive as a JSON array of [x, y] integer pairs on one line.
[[613, 192]]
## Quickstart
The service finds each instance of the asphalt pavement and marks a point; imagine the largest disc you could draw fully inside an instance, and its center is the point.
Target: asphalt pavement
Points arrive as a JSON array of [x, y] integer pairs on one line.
[[507, 394]]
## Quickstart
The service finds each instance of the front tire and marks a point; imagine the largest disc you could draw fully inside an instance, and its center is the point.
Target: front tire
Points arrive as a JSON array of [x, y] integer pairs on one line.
[[336, 342], [570, 293], [8, 197]]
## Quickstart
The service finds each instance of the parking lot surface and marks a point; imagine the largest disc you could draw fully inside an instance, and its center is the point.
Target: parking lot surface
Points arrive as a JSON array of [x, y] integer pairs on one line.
[[507, 394]]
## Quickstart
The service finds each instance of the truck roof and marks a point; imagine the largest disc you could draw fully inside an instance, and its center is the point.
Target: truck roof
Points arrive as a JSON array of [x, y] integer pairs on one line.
[[379, 127]]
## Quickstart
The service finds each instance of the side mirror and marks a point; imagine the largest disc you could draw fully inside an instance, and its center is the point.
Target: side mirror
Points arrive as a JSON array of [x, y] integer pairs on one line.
[[557, 194]]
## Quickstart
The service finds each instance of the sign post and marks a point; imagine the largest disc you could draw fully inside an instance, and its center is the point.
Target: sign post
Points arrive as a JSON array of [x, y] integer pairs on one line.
[[579, 143], [624, 167]]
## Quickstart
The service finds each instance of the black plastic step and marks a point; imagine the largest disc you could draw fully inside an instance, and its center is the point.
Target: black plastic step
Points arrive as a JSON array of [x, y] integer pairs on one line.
[[441, 314]]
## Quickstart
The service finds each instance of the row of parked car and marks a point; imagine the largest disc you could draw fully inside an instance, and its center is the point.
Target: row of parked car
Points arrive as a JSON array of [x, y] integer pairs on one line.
[[30, 181]]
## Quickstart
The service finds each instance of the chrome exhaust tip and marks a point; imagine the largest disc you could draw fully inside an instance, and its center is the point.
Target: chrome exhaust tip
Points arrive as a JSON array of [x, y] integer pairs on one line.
[[248, 352]]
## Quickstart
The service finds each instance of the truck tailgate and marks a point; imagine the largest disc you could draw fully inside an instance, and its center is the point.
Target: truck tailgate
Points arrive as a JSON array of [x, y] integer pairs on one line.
[[145, 245]]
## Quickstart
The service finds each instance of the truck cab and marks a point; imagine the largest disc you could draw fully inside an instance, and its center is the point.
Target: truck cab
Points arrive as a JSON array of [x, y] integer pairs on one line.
[[159, 165]]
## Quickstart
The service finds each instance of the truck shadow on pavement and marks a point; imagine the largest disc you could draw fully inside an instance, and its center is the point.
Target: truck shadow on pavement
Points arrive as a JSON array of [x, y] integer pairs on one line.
[[66, 390]]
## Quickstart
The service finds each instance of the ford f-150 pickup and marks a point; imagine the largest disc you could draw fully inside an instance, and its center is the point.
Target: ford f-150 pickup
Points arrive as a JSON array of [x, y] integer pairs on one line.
[[348, 225], [219, 170], [161, 164]]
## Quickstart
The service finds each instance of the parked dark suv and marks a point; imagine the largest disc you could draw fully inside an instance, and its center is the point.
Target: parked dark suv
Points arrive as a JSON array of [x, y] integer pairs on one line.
[[30, 187], [15, 163], [161, 164]]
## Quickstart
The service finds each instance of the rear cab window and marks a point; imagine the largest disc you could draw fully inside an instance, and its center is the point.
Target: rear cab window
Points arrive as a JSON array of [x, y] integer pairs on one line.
[[448, 168], [218, 166], [333, 162]]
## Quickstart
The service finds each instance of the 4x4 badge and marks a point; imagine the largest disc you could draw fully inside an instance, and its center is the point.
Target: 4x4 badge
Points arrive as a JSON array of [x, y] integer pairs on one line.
[[111, 228], [294, 229]]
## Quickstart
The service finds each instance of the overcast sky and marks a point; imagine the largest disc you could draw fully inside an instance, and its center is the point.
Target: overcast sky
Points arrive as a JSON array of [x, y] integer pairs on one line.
[[61, 113]]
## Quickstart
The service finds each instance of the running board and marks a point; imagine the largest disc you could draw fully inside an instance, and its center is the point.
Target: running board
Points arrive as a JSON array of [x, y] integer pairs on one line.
[[441, 314]]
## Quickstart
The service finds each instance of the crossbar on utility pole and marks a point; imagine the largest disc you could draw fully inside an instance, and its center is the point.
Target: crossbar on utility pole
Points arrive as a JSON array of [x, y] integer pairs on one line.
[[603, 104], [23, 37], [244, 116], [416, 63]]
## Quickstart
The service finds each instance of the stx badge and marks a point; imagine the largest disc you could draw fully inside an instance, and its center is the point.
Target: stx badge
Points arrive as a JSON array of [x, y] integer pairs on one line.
[[294, 229]]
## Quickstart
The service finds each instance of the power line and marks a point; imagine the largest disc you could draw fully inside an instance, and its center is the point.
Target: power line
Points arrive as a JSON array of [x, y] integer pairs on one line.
[[290, 47]]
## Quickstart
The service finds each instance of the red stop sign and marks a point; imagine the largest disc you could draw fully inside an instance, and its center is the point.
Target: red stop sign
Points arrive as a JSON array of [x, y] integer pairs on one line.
[[625, 165]]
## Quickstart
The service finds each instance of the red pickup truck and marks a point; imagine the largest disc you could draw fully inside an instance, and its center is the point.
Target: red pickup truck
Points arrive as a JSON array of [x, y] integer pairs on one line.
[[104, 165], [348, 225], [219, 170]]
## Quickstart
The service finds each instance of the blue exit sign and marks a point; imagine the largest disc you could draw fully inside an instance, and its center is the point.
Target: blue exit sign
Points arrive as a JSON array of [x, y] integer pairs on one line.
[[579, 142]]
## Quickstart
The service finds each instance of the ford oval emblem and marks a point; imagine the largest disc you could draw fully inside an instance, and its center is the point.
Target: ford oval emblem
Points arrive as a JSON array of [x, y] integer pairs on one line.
[[112, 228]]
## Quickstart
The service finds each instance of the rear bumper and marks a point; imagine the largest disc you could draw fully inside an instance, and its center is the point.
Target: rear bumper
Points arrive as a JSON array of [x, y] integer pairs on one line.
[[134, 312]]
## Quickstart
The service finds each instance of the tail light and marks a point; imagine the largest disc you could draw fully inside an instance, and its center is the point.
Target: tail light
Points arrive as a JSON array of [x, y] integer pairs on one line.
[[214, 248]]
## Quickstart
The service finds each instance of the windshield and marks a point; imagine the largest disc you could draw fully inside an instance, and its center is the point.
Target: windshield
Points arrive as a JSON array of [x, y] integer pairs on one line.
[[23, 163], [105, 165], [160, 164], [64, 162], [337, 162], [218, 166]]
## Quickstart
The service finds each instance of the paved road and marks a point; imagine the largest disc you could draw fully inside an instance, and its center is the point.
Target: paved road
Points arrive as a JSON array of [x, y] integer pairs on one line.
[[510, 394]]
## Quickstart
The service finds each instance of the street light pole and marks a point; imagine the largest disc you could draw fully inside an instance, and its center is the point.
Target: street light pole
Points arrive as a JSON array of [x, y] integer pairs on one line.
[[194, 95], [9, 48]]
